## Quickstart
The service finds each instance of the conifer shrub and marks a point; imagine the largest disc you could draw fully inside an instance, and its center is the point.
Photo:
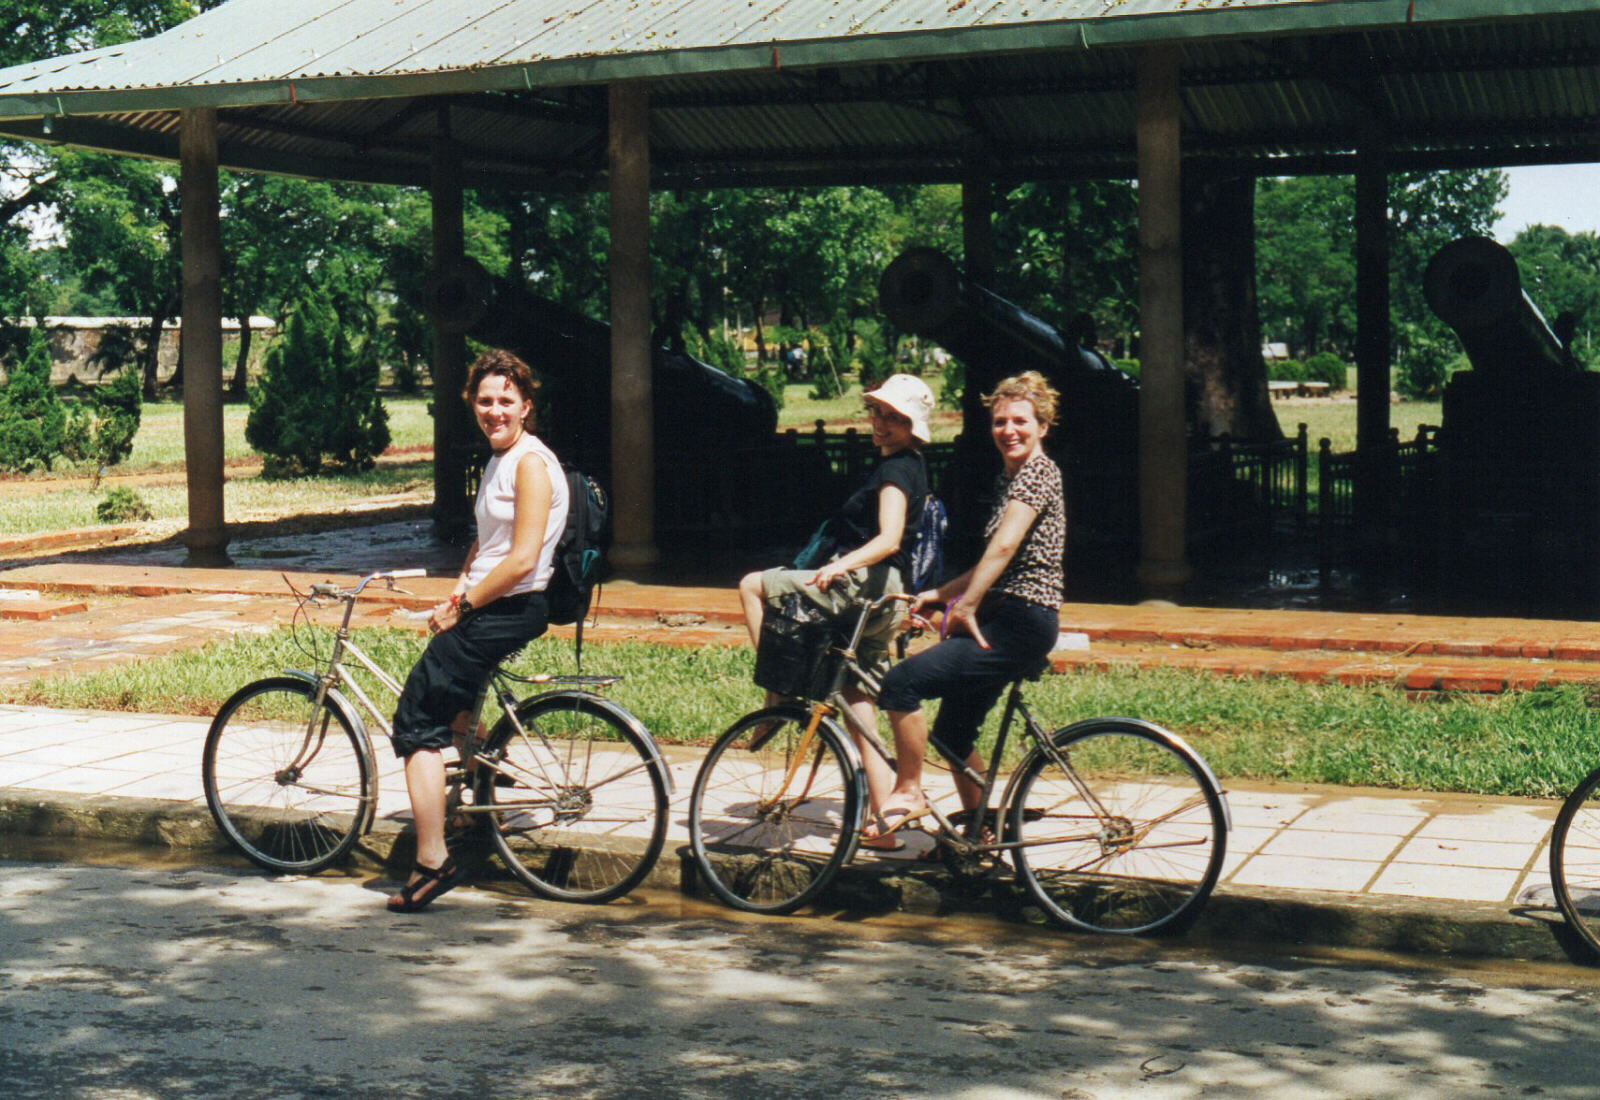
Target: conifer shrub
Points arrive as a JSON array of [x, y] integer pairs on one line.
[[32, 418], [101, 426], [122, 505], [317, 402]]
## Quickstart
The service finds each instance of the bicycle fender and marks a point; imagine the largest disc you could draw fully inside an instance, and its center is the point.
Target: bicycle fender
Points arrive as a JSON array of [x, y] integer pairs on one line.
[[1160, 733], [338, 701], [621, 714]]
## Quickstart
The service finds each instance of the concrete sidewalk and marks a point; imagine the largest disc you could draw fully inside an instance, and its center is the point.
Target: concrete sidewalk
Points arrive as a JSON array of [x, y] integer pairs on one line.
[[1327, 866], [1305, 865]]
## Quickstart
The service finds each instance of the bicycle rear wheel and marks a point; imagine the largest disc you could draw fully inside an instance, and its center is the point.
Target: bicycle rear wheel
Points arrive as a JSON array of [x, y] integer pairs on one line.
[[775, 810], [579, 801], [1575, 861], [1127, 837], [288, 782]]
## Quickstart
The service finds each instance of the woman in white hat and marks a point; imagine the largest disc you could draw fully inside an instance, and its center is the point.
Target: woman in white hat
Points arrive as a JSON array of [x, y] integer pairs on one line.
[[873, 555]]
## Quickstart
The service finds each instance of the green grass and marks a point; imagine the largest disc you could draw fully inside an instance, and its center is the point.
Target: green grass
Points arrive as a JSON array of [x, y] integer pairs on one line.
[[67, 508], [1536, 744], [1336, 420], [159, 443]]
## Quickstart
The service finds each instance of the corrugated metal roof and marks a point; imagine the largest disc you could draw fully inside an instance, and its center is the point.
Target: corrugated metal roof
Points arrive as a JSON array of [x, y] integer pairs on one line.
[[815, 90]]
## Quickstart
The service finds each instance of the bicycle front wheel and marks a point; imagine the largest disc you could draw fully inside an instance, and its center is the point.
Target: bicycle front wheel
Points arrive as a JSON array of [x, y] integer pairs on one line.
[[1575, 860], [578, 801], [1119, 829], [287, 781], [775, 810]]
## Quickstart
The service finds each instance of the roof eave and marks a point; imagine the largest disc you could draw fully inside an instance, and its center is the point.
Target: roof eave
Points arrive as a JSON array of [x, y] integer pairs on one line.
[[1109, 32]]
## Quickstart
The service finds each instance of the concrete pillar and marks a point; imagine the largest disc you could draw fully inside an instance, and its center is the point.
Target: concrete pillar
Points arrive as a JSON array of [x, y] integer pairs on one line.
[[1163, 448], [200, 339], [1372, 332], [454, 431], [976, 462], [633, 469], [977, 228]]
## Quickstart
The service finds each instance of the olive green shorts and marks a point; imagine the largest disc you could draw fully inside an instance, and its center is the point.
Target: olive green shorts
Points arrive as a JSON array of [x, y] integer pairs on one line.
[[873, 652]]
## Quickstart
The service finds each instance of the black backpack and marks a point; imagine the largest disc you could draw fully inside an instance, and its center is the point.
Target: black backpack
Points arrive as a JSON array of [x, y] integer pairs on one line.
[[580, 552]]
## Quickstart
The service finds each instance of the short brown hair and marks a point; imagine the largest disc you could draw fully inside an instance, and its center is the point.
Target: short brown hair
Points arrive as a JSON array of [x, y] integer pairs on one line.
[[1028, 386], [508, 366]]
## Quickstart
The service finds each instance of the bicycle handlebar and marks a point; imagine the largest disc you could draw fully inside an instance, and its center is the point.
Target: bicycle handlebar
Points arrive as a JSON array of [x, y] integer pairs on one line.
[[328, 588]]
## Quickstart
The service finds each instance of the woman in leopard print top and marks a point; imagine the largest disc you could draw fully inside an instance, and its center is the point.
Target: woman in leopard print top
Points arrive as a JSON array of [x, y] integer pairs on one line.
[[1001, 618]]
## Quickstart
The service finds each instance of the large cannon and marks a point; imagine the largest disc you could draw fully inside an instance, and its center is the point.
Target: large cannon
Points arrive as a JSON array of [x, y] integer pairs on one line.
[[725, 482], [1518, 449], [698, 408], [1096, 437], [1473, 285]]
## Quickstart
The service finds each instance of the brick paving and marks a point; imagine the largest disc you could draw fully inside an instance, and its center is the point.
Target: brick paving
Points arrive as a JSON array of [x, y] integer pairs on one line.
[[87, 602]]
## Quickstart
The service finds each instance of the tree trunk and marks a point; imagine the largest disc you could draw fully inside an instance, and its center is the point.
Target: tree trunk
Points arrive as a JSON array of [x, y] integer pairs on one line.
[[1225, 376], [241, 366]]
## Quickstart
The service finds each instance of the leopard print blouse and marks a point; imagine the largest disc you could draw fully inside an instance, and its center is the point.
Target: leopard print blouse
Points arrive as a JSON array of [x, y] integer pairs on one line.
[[1035, 570]]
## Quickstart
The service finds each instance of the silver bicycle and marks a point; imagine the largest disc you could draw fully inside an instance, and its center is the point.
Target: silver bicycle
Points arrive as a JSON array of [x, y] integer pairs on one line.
[[1112, 824], [570, 786]]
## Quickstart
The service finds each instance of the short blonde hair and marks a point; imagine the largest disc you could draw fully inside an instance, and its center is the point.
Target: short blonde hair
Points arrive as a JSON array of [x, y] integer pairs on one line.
[[1028, 386]]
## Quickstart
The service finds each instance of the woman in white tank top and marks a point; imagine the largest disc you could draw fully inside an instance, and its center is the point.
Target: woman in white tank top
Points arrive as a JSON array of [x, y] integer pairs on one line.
[[497, 607]]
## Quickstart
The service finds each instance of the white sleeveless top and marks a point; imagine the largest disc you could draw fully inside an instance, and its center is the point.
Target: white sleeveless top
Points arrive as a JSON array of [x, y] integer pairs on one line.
[[497, 494]]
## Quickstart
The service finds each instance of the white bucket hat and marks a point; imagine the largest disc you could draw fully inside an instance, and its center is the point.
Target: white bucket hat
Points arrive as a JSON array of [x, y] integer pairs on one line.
[[909, 396]]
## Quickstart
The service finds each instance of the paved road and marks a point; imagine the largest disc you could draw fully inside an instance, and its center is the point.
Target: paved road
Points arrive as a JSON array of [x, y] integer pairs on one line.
[[172, 982]]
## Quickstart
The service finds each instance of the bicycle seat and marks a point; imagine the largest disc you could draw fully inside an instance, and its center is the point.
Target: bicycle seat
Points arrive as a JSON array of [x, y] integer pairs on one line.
[[1037, 671]]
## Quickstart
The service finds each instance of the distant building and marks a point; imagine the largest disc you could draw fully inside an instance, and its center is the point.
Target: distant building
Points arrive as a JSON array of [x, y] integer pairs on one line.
[[74, 341]]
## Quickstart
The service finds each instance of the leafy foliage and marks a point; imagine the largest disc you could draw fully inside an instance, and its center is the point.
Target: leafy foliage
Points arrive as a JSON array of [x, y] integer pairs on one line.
[[101, 427], [32, 419], [122, 505], [318, 399], [1561, 274], [1327, 367]]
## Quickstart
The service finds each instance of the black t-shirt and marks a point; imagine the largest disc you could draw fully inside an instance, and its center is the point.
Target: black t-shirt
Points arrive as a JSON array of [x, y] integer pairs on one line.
[[906, 470]]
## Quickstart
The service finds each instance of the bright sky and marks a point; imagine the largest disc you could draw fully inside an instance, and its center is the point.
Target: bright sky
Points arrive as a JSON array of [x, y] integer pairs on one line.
[[1561, 194]]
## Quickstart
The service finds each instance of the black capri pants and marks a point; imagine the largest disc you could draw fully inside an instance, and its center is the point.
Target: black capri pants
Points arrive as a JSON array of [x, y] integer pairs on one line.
[[969, 678], [448, 676]]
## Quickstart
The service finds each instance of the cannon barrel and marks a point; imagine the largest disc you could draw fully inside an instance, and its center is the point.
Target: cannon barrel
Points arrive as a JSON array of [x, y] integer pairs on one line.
[[1472, 284], [923, 292], [697, 407]]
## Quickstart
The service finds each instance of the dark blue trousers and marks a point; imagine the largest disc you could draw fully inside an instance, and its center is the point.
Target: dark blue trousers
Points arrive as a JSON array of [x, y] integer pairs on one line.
[[448, 676], [967, 678]]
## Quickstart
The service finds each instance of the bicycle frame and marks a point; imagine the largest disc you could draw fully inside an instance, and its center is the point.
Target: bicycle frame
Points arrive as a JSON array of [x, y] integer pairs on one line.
[[335, 682], [969, 839]]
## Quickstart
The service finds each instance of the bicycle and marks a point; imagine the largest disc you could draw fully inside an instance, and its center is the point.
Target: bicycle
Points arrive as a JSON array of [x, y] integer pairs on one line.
[[1575, 861], [1112, 824], [572, 786]]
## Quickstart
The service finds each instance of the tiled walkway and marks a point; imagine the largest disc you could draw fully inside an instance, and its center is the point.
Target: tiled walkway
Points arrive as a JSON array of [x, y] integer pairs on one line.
[[69, 616], [1323, 839]]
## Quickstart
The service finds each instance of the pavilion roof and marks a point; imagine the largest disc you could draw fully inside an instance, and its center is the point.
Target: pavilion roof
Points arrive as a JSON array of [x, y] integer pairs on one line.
[[812, 91]]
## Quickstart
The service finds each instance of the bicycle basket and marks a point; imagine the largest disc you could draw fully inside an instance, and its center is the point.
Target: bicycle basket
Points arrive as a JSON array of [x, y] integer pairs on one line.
[[792, 657]]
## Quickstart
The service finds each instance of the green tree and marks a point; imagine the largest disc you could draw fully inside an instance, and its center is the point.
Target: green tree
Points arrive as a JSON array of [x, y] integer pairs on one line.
[[318, 400], [32, 420], [101, 427], [1305, 263], [120, 217], [1561, 274], [29, 30], [1070, 248], [274, 231], [1305, 241]]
